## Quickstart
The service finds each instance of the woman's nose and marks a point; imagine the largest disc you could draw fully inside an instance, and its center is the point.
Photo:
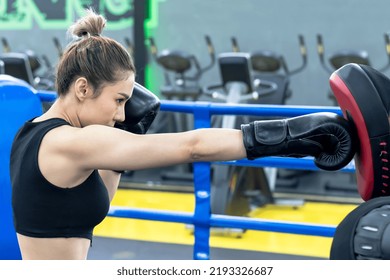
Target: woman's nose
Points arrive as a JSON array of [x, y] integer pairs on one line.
[[120, 117]]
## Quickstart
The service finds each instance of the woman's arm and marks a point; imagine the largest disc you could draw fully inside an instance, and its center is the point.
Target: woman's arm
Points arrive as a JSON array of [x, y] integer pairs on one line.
[[81, 150], [101, 147]]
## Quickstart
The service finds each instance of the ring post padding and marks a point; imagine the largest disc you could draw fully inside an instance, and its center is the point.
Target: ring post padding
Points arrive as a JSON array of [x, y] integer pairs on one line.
[[18, 103], [202, 192]]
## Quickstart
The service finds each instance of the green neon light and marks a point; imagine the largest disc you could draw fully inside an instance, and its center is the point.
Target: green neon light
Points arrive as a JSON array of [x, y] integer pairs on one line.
[[150, 24], [149, 81]]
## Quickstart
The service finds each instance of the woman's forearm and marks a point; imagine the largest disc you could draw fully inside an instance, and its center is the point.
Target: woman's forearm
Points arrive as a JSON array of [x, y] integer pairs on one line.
[[218, 145]]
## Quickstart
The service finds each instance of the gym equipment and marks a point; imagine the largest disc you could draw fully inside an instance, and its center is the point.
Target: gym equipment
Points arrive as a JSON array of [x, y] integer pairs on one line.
[[345, 56], [18, 65], [182, 72], [236, 190], [6, 47], [17, 96], [271, 66], [26, 65], [364, 233], [46, 81], [129, 45], [177, 66], [58, 46]]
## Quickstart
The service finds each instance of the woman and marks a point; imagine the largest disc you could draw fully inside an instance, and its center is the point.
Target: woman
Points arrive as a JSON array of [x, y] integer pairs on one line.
[[62, 162]]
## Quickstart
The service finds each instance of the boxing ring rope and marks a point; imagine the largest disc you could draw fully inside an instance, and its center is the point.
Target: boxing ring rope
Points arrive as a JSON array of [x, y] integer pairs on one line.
[[202, 219]]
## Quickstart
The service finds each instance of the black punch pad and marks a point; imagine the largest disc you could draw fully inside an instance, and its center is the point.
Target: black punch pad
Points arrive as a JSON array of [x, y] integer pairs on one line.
[[364, 234]]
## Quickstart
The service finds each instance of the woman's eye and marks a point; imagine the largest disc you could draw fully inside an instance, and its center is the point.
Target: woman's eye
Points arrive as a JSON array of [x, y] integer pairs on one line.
[[120, 101]]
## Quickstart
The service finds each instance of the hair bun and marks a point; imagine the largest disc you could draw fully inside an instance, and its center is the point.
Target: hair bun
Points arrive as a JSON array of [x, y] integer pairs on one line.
[[92, 24]]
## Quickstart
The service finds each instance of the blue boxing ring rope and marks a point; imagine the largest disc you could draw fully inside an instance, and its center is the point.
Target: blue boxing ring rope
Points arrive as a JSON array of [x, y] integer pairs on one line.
[[201, 218]]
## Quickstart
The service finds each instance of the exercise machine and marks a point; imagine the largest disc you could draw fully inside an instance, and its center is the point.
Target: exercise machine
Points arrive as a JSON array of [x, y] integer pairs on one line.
[[18, 66], [58, 47], [272, 66], [26, 65], [21, 65], [345, 56], [236, 190], [2, 67], [129, 45], [182, 73]]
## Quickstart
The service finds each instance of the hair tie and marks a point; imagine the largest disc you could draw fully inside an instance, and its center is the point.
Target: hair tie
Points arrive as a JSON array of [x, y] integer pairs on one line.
[[85, 34]]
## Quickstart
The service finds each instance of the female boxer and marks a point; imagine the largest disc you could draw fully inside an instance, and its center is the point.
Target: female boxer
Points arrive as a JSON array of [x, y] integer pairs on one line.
[[63, 162]]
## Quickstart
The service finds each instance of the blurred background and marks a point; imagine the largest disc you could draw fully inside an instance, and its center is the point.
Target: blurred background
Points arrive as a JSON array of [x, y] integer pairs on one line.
[[284, 51]]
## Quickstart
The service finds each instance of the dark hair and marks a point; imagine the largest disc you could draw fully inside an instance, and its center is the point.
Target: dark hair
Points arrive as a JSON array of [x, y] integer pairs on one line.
[[101, 60]]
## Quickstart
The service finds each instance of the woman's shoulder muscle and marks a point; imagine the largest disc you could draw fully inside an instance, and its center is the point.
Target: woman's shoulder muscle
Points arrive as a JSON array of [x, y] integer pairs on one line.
[[83, 145]]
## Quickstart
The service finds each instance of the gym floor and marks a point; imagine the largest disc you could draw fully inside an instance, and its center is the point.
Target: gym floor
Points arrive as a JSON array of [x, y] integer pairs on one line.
[[309, 201]]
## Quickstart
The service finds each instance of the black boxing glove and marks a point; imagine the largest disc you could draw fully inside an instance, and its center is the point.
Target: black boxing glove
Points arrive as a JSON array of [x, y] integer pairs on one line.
[[328, 137], [140, 111]]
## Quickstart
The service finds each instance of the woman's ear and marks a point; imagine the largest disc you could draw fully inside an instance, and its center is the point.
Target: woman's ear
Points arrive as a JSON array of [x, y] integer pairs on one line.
[[82, 89]]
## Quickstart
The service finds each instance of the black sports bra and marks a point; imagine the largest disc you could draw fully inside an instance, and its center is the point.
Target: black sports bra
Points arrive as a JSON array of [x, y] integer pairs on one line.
[[42, 209]]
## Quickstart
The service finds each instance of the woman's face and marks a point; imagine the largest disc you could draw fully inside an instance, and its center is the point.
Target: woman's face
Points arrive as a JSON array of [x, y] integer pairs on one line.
[[108, 107]]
